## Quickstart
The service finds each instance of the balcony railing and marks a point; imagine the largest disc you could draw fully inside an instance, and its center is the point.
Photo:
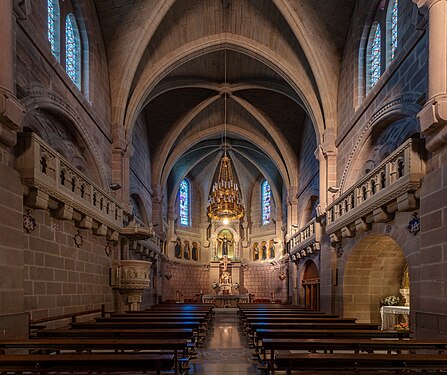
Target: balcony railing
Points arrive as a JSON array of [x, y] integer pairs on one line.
[[306, 238], [54, 183], [376, 197]]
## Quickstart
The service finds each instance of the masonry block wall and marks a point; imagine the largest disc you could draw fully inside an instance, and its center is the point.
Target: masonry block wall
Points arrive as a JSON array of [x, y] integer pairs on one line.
[[59, 277], [263, 281], [43, 272], [184, 281]]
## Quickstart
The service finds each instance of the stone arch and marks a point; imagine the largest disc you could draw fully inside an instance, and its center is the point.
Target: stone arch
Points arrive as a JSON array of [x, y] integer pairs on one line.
[[309, 284], [138, 207], [43, 100], [405, 106], [373, 271]]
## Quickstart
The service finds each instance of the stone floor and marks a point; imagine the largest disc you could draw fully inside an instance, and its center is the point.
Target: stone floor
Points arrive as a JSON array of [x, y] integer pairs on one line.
[[225, 350]]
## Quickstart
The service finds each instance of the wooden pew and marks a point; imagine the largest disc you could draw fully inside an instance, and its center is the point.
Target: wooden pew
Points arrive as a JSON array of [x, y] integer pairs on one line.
[[54, 345], [135, 325], [99, 363], [352, 344], [314, 326], [359, 363], [167, 333]]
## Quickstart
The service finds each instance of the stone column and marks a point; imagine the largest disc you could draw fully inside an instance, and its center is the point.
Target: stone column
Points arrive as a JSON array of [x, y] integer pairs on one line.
[[433, 117], [426, 276], [13, 320], [121, 166], [11, 111]]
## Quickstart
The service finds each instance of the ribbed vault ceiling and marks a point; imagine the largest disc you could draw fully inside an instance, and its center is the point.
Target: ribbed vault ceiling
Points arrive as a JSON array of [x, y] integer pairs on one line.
[[167, 63]]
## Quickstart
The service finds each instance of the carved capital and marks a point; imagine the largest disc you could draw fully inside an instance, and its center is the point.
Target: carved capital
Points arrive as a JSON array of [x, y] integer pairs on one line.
[[11, 117]]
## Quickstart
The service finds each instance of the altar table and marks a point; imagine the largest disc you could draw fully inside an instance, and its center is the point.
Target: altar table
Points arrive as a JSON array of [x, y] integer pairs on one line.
[[390, 315], [226, 300]]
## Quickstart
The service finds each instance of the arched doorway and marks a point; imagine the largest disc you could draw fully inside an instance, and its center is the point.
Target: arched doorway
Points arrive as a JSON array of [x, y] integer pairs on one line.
[[373, 270], [311, 286]]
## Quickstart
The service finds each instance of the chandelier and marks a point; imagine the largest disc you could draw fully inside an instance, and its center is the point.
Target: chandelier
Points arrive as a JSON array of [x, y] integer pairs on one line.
[[224, 202]]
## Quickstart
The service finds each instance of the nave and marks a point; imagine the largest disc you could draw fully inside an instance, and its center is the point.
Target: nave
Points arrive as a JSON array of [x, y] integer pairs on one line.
[[225, 349]]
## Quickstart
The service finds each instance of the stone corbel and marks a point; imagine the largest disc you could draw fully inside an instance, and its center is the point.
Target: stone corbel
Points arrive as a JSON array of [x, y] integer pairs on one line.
[[37, 199], [113, 236], [335, 237], [85, 223], [407, 202], [381, 215], [101, 230], [347, 232], [63, 212], [361, 225]]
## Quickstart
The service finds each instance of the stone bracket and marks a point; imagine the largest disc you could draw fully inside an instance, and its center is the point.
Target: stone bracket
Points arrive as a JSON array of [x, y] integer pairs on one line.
[[101, 230], [361, 225], [37, 199], [63, 212], [381, 215], [407, 202]]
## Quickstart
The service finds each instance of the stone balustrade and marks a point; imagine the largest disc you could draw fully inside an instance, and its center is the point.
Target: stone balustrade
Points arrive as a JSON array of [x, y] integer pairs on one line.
[[53, 183], [391, 187], [306, 240]]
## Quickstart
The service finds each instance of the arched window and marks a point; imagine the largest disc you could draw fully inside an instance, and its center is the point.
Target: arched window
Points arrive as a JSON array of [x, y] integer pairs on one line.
[[73, 56], [266, 195], [72, 50], [392, 15], [53, 23], [374, 55], [184, 202]]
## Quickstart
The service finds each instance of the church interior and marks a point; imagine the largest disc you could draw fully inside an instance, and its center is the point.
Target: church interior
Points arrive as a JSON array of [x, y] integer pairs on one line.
[[222, 161]]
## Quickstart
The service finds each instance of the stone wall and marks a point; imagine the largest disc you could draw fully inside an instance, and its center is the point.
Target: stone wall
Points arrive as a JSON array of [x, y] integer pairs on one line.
[[182, 281], [59, 277], [262, 280]]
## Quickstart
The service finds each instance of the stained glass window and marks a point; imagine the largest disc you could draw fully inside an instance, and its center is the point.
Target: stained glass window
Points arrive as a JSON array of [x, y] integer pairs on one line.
[[53, 26], [72, 50], [184, 202], [266, 196], [375, 56], [393, 30]]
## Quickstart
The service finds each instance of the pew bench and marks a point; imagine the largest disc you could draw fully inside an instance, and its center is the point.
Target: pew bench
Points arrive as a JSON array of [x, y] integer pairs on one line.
[[359, 363], [354, 345], [92, 363], [56, 346]]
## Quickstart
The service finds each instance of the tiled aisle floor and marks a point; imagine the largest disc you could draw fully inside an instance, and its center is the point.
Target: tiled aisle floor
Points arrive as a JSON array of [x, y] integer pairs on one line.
[[225, 350]]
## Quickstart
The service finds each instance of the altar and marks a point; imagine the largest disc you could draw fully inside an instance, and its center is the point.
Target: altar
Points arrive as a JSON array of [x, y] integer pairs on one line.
[[225, 300], [390, 315]]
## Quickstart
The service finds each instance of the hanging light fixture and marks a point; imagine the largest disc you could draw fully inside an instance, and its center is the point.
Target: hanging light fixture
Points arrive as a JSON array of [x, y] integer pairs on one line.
[[224, 202]]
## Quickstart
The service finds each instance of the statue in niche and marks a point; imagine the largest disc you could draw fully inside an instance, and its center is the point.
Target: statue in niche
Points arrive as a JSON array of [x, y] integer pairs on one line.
[[271, 249], [255, 251], [186, 250], [195, 251], [263, 250], [225, 243], [178, 248]]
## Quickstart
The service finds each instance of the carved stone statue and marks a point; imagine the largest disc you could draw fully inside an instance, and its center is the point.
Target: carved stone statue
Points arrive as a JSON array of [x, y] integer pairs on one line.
[[225, 278], [178, 248], [271, 249], [226, 242], [195, 251], [255, 251], [186, 250], [264, 250]]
